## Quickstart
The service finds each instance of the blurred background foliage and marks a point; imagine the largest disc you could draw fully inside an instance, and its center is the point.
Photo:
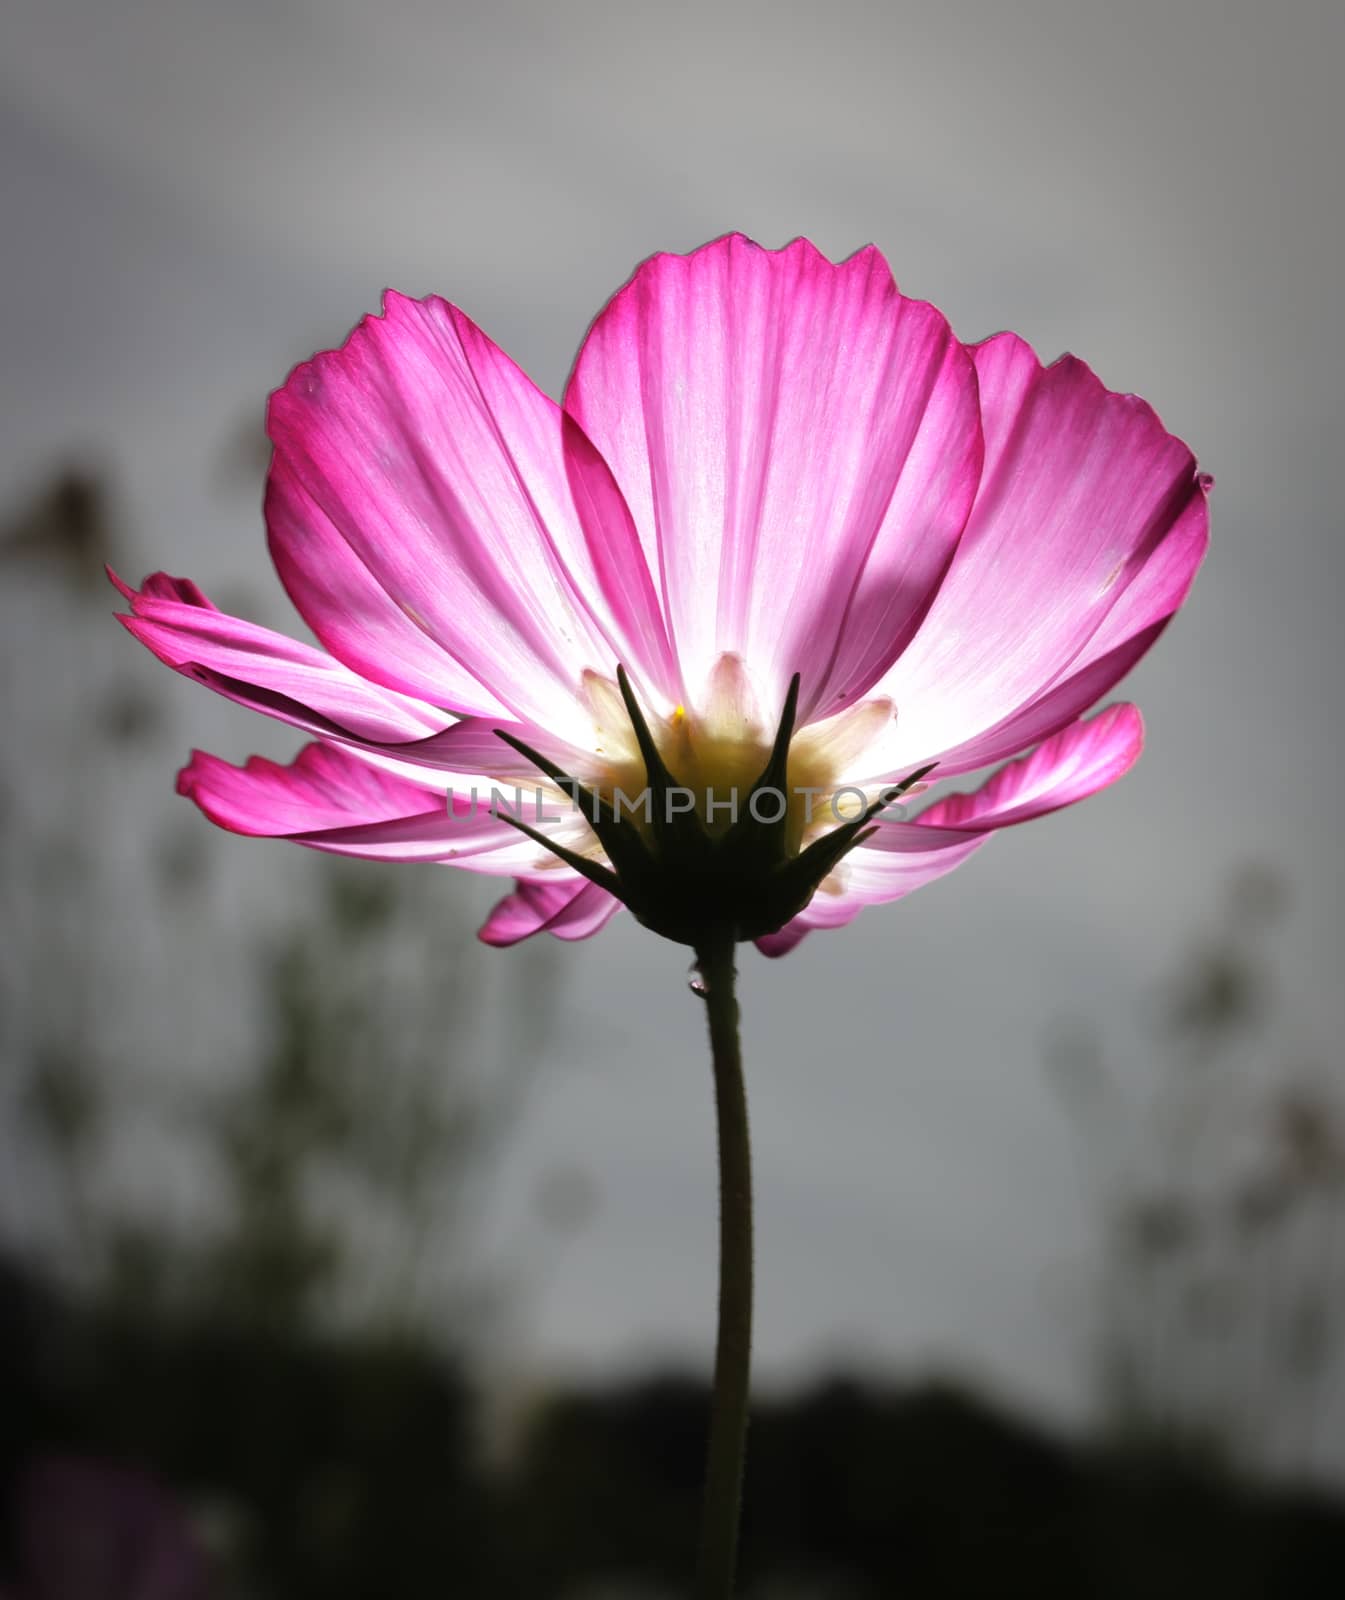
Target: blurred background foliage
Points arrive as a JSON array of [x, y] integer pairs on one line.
[[1221, 1192], [261, 1373]]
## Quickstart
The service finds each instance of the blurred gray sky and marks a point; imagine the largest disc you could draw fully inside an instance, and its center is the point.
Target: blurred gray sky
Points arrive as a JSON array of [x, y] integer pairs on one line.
[[197, 194]]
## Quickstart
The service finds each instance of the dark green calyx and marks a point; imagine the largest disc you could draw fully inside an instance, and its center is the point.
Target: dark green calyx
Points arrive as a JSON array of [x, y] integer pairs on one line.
[[679, 877]]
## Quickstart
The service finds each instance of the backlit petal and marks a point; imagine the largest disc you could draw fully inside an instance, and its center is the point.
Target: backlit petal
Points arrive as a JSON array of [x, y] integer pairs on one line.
[[330, 800], [569, 907], [422, 518], [1082, 489], [799, 446], [904, 856], [175, 620]]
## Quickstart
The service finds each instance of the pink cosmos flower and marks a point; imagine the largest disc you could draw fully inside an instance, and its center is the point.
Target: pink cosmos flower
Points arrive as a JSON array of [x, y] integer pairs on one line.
[[765, 465]]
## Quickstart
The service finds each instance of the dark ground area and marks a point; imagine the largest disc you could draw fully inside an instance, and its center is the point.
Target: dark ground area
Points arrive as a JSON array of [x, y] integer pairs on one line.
[[152, 1462]]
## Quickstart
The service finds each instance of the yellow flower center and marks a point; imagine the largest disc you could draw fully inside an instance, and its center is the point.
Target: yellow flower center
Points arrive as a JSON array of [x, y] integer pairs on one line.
[[705, 825], [718, 753]]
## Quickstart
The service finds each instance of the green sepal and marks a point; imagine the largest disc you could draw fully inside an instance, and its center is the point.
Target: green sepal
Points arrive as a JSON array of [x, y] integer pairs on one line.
[[768, 842], [625, 848], [594, 871], [682, 830], [810, 866], [594, 808], [687, 880]]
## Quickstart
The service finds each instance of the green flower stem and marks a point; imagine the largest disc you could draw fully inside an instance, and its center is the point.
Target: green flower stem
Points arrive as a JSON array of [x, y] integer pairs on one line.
[[733, 1353]]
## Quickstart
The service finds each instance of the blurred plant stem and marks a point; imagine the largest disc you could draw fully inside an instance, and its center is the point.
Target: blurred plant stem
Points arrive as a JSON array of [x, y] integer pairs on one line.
[[1223, 1187], [733, 1354]]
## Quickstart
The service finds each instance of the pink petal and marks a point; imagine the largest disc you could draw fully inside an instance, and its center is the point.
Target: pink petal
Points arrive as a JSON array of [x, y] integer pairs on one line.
[[785, 939], [473, 752], [163, 586], [568, 907], [422, 518], [175, 620], [1082, 490], [904, 856], [331, 800], [799, 446], [1074, 764], [310, 690], [878, 877], [873, 877], [1127, 632], [323, 788]]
